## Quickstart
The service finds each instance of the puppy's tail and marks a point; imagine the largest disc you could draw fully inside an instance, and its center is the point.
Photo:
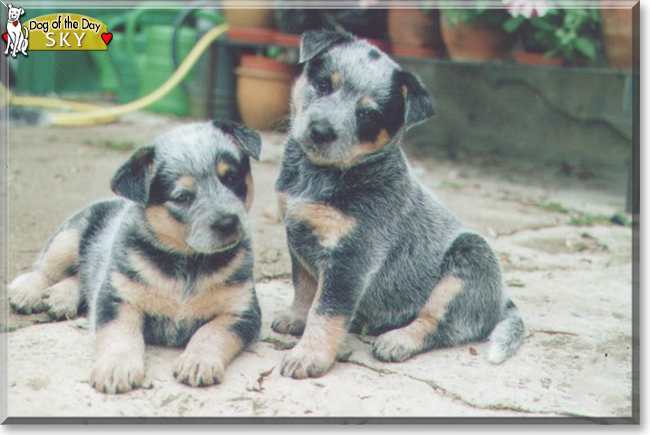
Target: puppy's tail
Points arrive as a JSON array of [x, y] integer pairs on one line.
[[507, 335], [26, 33]]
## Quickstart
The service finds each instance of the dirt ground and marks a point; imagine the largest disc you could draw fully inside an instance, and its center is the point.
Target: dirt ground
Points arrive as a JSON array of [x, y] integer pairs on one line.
[[566, 265]]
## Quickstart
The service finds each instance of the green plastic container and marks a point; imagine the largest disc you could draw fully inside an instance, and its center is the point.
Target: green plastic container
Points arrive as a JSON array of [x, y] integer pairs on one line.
[[158, 67]]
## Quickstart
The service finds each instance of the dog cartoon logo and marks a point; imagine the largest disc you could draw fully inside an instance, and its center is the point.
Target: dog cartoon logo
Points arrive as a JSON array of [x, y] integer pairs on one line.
[[15, 39]]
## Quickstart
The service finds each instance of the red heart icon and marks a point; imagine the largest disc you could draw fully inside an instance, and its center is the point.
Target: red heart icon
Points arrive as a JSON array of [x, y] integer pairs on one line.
[[4, 36], [15, 23], [107, 37]]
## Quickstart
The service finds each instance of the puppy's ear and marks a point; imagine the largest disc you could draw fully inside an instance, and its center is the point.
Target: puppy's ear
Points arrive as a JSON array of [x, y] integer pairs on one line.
[[132, 179], [314, 42], [22, 11], [418, 101], [245, 138], [9, 6]]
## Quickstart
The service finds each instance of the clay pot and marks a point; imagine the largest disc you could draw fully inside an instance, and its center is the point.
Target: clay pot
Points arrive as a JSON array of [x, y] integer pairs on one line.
[[263, 91], [526, 58], [412, 28], [257, 35], [475, 42], [247, 17], [617, 35]]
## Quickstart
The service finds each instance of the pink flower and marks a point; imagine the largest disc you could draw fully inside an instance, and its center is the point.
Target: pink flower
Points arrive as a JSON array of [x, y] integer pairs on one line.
[[528, 8]]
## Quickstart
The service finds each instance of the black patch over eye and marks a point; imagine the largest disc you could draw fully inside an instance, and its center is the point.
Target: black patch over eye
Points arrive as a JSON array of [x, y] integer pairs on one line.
[[369, 123], [367, 115], [231, 179], [184, 198], [323, 85]]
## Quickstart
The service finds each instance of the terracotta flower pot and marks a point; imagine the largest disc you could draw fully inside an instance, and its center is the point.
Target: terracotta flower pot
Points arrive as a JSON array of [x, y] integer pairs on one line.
[[475, 42], [413, 28], [247, 17], [263, 91], [526, 58], [617, 35]]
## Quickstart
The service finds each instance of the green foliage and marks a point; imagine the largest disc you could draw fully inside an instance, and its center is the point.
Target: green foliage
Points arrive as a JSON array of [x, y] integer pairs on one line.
[[573, 34]]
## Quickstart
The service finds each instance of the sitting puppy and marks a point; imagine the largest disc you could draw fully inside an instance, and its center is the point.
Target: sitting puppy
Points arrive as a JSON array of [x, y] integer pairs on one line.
[[371, 248], [170, 263]]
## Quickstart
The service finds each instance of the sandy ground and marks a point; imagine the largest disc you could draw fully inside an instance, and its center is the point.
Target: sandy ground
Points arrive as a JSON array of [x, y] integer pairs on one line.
[[566, 266]]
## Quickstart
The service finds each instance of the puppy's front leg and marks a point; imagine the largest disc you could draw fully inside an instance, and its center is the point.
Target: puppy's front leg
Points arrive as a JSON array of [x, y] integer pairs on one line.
[[214, 345], [119, 360], [327, 325]]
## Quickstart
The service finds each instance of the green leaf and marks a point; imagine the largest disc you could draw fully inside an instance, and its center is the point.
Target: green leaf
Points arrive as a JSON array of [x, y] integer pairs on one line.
[[586, 46], [513, 24]]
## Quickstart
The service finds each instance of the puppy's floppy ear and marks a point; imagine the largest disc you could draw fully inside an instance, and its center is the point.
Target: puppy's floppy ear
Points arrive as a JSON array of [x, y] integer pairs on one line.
[[22, 11], [9, 6], [418, 101], [314, 42], [244, 137], [132, 179]]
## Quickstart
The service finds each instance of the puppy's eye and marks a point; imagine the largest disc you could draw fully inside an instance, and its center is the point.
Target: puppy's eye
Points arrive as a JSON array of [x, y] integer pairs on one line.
[[323, 86], [367, 114], [183, 198], [230, 179]]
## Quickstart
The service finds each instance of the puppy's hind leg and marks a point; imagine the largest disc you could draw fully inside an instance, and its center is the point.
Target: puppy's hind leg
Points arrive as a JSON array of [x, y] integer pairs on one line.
[[464, 305], [293, 320], [57, 261]]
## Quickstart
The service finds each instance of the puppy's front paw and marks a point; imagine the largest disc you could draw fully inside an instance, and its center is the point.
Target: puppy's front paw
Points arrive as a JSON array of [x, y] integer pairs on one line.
[[289, 323], [62, 299], [395, 346], [26, 292], [199, 370], [117, 373], [302, 363]]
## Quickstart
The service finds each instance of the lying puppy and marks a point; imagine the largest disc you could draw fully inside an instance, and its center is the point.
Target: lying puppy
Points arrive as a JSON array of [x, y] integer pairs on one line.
[[371, 248], [170, 263]]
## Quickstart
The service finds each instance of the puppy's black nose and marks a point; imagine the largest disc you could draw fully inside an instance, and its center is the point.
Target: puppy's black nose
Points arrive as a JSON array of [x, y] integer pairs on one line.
[[321, 132], [226, 224]]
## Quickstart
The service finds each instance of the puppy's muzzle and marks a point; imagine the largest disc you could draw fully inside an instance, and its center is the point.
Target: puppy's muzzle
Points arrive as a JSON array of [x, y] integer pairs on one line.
[[226, 225], [321, 132]]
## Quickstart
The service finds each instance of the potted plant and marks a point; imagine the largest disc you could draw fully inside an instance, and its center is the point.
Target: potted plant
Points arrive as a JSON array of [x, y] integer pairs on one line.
[[415, 32], [475, 34], [537, 34], [264, 89], [572, 34]]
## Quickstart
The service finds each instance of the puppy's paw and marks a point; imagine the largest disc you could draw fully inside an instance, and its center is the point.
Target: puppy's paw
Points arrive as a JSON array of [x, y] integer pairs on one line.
[[26, 292], [117, 373], [199, 370], [289, 323], [62, 299], [395, 346], [302, 363]]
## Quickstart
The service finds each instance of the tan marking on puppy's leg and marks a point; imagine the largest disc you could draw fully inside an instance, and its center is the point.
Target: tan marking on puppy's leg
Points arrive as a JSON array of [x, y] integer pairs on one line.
[[318, 348], [63, 299], [167, 230], [26, 292], [222, 168], [119, 360], [293, 320], [250, 191], [327, 223], [208, 353], [400, 344], [61, 254], [187, 181]]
